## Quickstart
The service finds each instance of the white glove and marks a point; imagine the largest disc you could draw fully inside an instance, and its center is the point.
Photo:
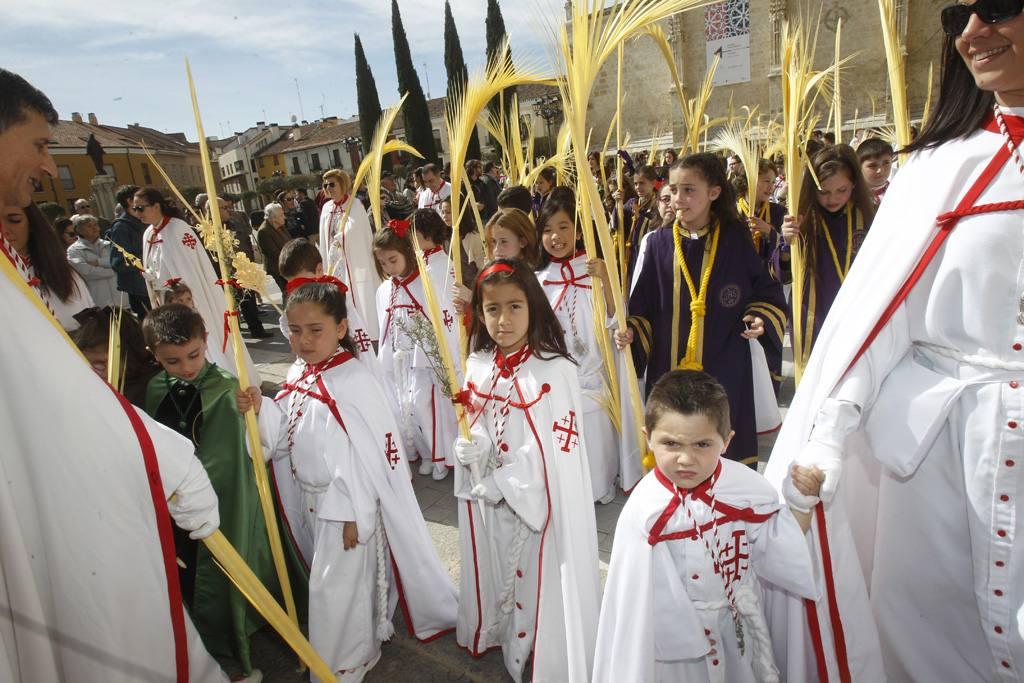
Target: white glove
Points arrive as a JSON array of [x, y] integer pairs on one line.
[[148, 275], [794, 498], [194, 503], [468, 452], [835, 421], [487, 491]]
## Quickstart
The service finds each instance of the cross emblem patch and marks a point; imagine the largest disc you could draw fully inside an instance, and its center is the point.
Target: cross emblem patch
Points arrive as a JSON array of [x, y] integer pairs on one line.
[[734, 558], [189, 241], [391, 450], [447, 319], [566, 432], [362, 340]]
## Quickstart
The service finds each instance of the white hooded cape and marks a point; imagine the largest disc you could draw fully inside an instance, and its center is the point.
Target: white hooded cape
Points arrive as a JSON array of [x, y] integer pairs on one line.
[[928, 185], [85, 537], [176, 251]]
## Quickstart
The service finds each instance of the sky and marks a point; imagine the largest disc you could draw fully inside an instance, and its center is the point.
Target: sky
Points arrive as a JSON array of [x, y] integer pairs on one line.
[[124, 59]]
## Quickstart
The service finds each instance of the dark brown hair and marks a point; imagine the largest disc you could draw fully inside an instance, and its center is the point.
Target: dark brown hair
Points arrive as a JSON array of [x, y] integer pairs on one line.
[[386, 239], [516, 197], [961, 107], [331, 301], [711, 170], [153, 196], [94, 332], [49, 258], [298, 256], [556, 203], [688, 392], [828, 162], [172, 324], [545, 335], [176, 290], [429, 224]]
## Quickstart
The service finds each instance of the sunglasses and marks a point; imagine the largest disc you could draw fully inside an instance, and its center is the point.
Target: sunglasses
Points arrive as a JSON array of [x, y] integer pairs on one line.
[[141, 207], [955, 17], [328, 186]]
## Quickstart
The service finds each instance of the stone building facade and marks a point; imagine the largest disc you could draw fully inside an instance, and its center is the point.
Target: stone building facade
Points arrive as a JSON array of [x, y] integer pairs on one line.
[[651, 106]]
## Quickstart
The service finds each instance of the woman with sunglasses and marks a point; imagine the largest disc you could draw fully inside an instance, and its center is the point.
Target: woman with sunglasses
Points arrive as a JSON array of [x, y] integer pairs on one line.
[[921, 364]]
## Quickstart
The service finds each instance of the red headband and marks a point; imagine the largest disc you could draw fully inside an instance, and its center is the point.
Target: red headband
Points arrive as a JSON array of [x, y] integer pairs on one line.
[[399, 227], [297, 282], [496, 268], [171, 282]]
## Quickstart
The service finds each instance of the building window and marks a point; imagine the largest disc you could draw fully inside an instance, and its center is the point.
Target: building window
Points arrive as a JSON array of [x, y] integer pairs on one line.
[[252, 165], [261, 162], [295, 166], [314, 163], [146, 178], [776, 17], [238, 165], [66, 181], [437, 141]]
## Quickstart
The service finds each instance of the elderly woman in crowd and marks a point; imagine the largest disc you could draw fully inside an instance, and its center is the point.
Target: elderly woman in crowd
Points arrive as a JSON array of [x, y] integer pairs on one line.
[[89, 255], [40, 255], [271, 238]]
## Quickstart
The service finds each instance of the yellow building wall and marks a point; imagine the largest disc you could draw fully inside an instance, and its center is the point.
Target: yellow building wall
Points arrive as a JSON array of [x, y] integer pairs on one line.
[[132, 168], [267, 165]]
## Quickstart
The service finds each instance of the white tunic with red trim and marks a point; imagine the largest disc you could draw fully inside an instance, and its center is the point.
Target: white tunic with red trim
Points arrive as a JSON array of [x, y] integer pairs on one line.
[[338, 458], [926, 531], [432, 200], [667, 614], [569, 289], [348, 255], [409, 360], [174, 250], [529, 579], [88, 582]]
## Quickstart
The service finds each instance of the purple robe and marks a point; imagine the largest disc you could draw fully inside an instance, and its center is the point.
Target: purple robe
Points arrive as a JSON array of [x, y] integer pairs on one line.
[[739, 285], [826, 279]]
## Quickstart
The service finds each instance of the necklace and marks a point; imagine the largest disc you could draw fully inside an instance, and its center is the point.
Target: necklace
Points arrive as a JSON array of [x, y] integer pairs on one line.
[[1010, 144], [842, 271], [698, 298]]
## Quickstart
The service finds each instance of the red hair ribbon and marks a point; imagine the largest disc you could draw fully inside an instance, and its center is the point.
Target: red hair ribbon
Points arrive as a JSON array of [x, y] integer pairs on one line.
[[175, 280], [227, 329], [492, 269], [399, 227], [297, 282]]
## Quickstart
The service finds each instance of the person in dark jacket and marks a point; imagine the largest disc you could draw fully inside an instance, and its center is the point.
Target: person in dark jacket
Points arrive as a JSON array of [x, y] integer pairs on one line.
[[309, 214], [491, 189], [126, 232]]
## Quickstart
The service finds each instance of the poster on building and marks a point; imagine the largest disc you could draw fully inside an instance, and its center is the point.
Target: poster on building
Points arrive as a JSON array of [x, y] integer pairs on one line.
[[727, 32]]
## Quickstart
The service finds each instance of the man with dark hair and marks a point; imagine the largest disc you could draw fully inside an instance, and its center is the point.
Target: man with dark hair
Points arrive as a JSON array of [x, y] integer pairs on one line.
[[126, 232], [516, 197], [491, 189], [25, 119], [435, 189]]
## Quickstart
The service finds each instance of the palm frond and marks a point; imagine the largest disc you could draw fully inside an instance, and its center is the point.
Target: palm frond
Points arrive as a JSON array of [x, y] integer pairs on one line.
[[896, 65]]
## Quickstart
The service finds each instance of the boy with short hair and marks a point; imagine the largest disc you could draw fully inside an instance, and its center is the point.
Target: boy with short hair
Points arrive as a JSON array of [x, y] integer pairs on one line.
[[196, 398], [876, 156], [682, 600]]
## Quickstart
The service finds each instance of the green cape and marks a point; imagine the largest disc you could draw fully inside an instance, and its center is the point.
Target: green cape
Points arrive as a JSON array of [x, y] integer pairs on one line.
[[221, 614]]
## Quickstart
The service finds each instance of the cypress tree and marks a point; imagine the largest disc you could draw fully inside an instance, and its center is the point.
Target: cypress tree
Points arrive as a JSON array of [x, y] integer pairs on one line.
[[366, 93], [458, 74], [419, 131], [495, 26]]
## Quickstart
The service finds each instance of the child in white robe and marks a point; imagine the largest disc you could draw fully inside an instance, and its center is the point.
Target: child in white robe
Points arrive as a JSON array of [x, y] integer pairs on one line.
[[528, 537], [409, 355], [349, 502], [568, 281], [694, 544]]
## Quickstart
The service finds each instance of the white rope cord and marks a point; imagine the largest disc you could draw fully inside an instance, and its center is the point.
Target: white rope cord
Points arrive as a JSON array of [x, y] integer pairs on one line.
[[385, 629]]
